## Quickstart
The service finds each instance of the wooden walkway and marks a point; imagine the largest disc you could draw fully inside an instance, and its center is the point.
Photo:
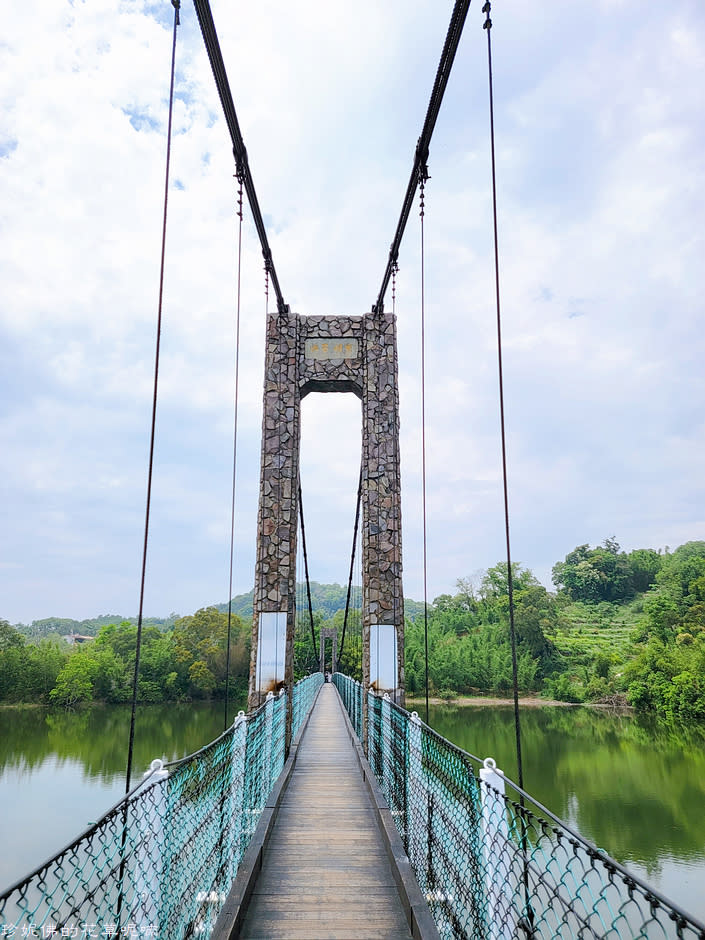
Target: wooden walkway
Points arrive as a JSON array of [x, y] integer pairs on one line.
[[325, 872]]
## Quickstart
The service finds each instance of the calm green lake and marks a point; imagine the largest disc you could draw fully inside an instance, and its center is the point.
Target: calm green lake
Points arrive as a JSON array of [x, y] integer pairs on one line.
[[60, 771], [635, 790], [630, 786]]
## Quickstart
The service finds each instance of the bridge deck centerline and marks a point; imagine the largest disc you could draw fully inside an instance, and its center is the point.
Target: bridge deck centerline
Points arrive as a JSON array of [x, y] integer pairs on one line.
[[325, 871]]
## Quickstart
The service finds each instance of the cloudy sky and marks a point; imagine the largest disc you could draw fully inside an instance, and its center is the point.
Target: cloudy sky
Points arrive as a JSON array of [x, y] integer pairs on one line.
[[600, 121]]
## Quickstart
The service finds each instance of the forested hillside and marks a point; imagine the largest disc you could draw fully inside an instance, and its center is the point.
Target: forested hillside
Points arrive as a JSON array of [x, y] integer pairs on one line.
[[64, 626], [186, 662], [326, 599], [620, 627]]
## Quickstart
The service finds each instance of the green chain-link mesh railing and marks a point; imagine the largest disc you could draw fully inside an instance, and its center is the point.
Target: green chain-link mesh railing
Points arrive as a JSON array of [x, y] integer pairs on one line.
[[160, 863], [495, 866], [351, 694], [305, 693]]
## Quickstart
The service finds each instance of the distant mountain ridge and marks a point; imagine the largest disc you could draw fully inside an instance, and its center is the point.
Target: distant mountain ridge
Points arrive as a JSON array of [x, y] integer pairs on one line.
[[65, 625], [326, 598]]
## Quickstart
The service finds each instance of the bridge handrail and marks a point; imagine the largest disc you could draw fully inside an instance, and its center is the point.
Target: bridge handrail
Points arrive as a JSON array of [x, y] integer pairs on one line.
[[84, 834], [241, 716], [589, 846], [160, 862], [492, 865]]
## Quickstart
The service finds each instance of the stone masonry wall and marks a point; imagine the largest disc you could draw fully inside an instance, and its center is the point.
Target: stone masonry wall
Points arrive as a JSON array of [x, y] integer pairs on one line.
[[381, 533], [275, 567], [326, 354]]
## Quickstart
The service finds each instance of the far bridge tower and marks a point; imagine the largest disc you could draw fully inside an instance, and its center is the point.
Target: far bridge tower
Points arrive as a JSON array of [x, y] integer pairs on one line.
[[329, 354]]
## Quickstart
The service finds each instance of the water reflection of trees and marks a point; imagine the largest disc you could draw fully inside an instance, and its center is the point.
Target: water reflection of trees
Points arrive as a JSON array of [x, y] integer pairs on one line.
[[633, 787], [97, 737], [628, 784]]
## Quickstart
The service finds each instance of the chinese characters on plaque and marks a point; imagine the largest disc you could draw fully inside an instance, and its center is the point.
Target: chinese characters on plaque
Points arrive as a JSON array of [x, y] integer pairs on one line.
[[331, 348]]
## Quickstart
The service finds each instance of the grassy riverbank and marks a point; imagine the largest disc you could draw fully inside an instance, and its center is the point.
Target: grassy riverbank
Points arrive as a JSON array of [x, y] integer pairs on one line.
[[525, 701]]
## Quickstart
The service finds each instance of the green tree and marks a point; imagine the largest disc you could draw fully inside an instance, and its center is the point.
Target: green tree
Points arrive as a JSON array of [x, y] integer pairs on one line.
[[9, 637], [202, 679], [75, 681], [536, 614], [468, 636], [669, 679], [668, 674], [12, 670], [495, 583], [158, 679], [199, 644], [595, 574], [306, 660], [662, 615], [350, 657], [681, 570], [644, 565], [43, 662]]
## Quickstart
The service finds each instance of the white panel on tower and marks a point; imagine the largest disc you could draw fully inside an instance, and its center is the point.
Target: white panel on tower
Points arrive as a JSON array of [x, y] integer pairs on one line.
[[271, 651], [383, 657]]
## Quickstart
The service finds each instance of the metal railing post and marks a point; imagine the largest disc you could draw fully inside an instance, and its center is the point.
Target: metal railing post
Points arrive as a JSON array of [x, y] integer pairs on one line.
[[495, 829], [387, 749], [417, 803], [267, 744], [149, 868], [280, 747], [238, 784]]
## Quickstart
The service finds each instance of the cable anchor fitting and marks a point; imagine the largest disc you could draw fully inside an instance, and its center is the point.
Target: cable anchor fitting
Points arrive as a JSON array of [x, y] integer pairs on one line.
[[423, 177], [395, 268], [239, 175], [486, 10], [177, 6], [240, 155]]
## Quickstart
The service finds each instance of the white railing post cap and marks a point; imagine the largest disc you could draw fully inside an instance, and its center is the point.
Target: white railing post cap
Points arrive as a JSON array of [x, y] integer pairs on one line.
[[156, 770], [491, 772]]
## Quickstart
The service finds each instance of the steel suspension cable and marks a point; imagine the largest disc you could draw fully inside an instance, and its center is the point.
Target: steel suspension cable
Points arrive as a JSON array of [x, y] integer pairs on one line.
[[308, 583], [176, 4], [236, 409], [450, 47], [357, 646], [423, 176], [510, 581], [527, 927], [210, 38], [352, 562]]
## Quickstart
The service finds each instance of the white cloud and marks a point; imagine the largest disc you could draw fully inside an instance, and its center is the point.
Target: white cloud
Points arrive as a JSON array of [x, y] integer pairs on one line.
[[600, 181]]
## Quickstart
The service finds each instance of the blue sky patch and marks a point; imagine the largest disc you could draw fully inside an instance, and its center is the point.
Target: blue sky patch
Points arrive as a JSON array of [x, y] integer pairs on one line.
[[8, 147], [141, 120]]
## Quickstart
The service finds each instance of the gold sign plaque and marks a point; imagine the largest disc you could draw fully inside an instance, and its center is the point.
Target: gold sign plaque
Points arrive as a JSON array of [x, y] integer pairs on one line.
[[331, 348]]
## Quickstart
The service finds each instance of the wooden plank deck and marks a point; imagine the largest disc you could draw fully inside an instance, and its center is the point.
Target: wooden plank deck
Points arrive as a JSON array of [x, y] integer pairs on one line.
[[325, 872]]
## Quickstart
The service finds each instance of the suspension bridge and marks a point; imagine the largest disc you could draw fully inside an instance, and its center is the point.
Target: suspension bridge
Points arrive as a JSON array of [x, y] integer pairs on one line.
[[329, 810]]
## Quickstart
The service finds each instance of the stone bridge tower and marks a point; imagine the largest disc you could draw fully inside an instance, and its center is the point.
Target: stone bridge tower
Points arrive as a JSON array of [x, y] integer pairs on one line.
[[329, 354]]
